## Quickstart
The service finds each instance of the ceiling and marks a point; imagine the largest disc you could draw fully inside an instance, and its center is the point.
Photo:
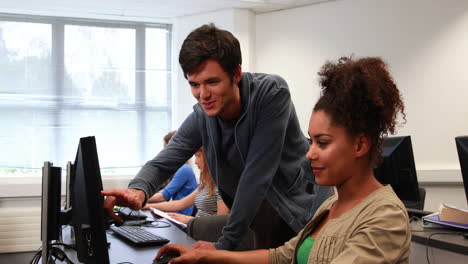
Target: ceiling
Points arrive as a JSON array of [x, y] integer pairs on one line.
[[154, 10]]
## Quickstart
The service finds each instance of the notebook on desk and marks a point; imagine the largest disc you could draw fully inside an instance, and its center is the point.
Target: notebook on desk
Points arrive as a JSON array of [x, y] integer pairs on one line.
[[165, 215], [434, 218]]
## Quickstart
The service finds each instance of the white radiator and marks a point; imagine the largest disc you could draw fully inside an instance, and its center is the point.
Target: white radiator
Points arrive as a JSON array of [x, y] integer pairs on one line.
[[20, 211], [20, 229]]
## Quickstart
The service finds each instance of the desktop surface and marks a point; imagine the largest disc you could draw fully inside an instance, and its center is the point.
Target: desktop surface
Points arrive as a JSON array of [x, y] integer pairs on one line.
[[449, 239], [122, 251]]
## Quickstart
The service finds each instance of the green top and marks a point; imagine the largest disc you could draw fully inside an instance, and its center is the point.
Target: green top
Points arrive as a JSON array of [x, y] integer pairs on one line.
[[303, 252]]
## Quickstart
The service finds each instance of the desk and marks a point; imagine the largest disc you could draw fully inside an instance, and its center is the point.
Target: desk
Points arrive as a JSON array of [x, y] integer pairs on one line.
[[445, 249], [448, 239], [122, 251]]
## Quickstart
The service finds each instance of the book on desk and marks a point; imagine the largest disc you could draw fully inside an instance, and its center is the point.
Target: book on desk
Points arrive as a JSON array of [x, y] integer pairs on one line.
[[448, 215]]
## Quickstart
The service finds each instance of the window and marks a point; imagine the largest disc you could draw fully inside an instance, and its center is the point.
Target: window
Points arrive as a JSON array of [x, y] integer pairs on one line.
[[62, 79]]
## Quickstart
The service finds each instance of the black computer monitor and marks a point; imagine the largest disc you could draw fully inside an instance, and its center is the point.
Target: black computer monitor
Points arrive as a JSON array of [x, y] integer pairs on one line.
[[399, 171], [50, 207], [462, 149], [87, 213]]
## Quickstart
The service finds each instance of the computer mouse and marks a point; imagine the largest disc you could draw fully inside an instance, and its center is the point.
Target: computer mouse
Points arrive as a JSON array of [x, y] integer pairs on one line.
[[165, 259], [118, 223]]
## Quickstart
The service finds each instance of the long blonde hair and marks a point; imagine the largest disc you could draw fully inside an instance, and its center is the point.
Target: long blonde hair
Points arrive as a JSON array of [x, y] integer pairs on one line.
[[206, 181]]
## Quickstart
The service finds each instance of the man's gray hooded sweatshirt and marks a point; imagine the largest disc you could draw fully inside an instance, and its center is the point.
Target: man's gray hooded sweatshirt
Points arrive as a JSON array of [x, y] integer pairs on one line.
[[272, 151]]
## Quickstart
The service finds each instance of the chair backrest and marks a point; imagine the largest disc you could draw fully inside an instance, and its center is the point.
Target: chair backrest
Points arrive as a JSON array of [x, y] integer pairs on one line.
[[422, 196], [419, 205]]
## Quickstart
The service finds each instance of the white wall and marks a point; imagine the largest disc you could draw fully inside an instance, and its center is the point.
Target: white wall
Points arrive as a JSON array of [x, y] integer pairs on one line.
[[240, 22], [440, 193], [424, 42]]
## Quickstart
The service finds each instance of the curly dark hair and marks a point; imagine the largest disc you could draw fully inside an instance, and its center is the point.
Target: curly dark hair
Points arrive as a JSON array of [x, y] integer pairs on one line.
[[210, 42], [361, 96]]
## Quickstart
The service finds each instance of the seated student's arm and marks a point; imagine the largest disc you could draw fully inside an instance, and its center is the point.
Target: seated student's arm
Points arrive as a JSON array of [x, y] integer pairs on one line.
[[222, 208], [181, 217], [175, 205], [156, 198], [190, 255], [181, 177], [384, 238], [285, 253]]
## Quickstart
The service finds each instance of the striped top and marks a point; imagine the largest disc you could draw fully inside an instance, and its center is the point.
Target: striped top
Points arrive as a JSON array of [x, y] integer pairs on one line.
[[207, 205]]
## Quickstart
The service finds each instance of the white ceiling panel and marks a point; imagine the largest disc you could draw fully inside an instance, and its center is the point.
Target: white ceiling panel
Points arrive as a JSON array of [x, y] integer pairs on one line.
[[156, 10]]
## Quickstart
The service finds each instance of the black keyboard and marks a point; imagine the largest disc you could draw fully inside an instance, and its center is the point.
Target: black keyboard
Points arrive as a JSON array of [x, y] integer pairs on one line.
[[139, 236], [129, 214]]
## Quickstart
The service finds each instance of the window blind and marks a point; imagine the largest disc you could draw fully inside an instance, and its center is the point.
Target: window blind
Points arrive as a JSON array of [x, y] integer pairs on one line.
[[62, 79]]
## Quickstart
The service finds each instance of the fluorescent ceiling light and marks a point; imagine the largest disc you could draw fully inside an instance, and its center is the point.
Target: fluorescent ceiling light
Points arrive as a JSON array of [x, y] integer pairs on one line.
[[253, 1]]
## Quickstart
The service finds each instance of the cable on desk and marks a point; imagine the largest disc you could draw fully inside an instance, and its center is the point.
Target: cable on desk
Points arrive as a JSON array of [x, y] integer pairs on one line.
[[156, 223], [54, 252], [36, 256], [437, 233], [59, 254], [151, 222], [419, 231], [67, 246]]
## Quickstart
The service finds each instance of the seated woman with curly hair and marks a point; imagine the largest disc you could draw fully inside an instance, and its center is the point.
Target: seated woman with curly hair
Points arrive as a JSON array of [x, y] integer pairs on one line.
[[364, 222]]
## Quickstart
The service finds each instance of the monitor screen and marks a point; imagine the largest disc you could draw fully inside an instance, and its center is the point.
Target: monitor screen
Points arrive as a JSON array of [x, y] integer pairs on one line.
[[462, 149], [398, 170], [88, 216]]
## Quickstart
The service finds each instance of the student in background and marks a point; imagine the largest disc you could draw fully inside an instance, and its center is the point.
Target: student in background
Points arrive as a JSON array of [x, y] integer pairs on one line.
[[212, 213], [205, 198], [181, 184], [364, 222]]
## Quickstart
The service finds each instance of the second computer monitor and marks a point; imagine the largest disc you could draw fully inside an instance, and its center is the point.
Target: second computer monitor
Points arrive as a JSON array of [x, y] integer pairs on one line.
[[398, 170], [88, 217]]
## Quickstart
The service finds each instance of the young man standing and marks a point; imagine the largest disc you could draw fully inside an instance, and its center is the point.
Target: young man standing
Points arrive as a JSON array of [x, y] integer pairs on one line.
[[253, 144]]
